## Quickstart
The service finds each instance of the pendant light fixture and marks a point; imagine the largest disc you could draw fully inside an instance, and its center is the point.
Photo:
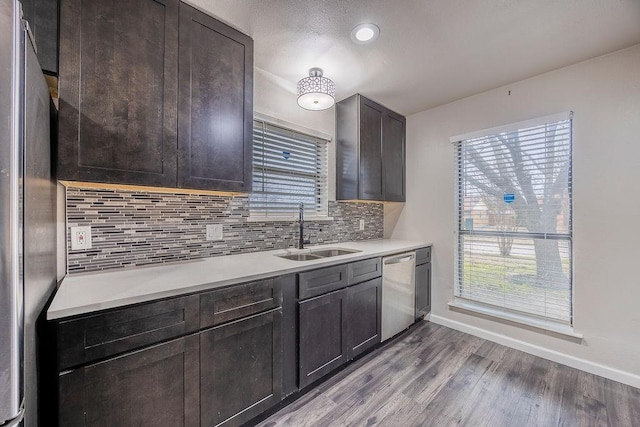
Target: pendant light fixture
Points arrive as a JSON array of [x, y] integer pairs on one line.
[[316, 92]]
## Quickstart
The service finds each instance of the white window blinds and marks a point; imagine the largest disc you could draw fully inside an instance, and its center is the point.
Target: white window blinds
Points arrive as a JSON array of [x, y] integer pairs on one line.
[[514, 218], [289, 168]]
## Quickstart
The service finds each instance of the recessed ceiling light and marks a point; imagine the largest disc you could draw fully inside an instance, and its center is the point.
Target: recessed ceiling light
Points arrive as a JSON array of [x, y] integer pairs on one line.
[[365, 33]]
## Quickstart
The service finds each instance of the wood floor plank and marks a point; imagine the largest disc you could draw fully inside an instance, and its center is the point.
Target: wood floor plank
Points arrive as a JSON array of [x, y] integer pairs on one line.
[[568, 384], [436, 376], [399, 411], [486, 400], [525, 403], [376, 393], [591, 405], [550, 395], [459, 388], [623, 404], [443, 366], [307, 411]]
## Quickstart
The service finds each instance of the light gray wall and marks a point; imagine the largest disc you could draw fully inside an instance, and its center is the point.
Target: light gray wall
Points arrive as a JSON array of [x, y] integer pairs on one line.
[[604, 94]]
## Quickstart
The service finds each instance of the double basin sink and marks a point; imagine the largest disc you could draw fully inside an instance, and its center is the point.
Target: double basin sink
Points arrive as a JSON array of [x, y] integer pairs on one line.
[[317, 254]]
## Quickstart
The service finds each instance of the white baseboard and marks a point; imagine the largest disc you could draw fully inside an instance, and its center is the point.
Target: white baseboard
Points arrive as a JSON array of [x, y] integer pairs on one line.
[[556, 356]]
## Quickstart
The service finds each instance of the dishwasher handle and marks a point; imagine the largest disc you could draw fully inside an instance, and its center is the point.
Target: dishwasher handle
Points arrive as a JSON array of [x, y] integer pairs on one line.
[[400, 259]]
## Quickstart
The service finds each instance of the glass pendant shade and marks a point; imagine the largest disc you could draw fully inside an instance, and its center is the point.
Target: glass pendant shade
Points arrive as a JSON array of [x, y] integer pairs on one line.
[[316, 92]]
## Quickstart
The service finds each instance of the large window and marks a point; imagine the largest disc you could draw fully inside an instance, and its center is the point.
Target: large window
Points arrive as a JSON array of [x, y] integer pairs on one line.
[[514, 218], [289, 168]]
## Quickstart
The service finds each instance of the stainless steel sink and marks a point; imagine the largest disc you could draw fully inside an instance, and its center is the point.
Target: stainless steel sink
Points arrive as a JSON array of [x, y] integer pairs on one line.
[[317, 254], [300, 257], [333, 252]]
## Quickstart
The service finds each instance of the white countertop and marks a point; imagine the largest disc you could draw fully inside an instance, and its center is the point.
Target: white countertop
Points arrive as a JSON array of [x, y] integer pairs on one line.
[[85, 293]]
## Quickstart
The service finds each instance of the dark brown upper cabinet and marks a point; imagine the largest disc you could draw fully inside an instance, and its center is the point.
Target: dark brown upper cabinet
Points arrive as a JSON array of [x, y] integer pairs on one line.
[[215, 114], [42, 16], [370, 157], [127, 116], [118, 91]]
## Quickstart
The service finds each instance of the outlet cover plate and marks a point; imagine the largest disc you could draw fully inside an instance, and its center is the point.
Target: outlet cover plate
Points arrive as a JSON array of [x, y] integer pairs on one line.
[[214, 232], [80, 238], [361, 224]]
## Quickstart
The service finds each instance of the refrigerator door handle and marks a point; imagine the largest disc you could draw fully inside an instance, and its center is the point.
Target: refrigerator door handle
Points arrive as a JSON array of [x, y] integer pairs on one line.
[[11, 219]]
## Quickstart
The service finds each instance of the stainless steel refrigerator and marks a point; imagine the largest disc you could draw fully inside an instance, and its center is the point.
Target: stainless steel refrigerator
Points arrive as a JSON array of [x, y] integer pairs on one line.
[[27, 217]]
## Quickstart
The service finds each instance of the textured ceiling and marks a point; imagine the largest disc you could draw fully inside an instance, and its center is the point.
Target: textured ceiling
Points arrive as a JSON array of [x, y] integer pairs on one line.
[[429, 52]]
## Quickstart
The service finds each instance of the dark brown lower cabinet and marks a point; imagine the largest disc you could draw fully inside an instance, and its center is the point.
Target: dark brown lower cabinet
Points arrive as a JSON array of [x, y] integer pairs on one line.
[[240, 369], [323, 347], [423, 289], [364, 304], [243, 348], [152, 387]]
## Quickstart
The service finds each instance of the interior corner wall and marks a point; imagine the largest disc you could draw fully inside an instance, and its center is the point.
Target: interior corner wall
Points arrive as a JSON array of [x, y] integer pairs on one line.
[[604, 94]]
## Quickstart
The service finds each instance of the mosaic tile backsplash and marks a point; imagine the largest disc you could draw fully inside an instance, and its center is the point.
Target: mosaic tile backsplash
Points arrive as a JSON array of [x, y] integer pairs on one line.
[[135, 228]]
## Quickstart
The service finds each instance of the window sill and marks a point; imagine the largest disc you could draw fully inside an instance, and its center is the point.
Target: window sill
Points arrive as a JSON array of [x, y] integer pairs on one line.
[[289, 219], [521, 319]]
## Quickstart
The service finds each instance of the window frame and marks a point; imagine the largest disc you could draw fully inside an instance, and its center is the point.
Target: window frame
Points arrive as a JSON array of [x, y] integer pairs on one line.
[[293, 214], [504, 312]]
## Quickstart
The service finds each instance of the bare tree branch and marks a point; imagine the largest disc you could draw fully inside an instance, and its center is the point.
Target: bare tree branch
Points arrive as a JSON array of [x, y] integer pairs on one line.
[[484, 187]]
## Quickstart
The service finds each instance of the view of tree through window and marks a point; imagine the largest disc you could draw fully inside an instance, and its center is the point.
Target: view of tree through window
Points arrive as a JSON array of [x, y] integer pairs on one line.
[[514, 216]]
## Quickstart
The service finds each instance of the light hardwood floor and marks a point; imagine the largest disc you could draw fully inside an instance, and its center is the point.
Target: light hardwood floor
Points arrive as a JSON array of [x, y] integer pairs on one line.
[[436, 376]]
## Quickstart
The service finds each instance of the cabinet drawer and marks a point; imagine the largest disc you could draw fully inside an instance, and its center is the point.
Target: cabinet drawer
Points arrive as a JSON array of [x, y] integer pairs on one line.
[[239, 301], [95, 337], [423, 255], [318, 282], [362, 271]]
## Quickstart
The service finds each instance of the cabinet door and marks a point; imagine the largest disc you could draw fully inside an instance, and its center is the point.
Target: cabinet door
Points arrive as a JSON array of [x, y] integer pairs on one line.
[[364, 309], [347, 147], [42, 16], [323, 347], [215, 123], [240, 369], [423, 289], [289, 335], [370, 173], [393, 155], [151, 387], [118, 91]]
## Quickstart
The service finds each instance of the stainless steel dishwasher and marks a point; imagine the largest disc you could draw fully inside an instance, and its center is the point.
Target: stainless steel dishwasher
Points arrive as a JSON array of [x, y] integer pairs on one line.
[[398, 293]]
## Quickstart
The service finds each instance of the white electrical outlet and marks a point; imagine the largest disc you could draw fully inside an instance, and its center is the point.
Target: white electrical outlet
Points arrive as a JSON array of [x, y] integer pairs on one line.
[[214, 232], [361, 224], [80, 238]]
